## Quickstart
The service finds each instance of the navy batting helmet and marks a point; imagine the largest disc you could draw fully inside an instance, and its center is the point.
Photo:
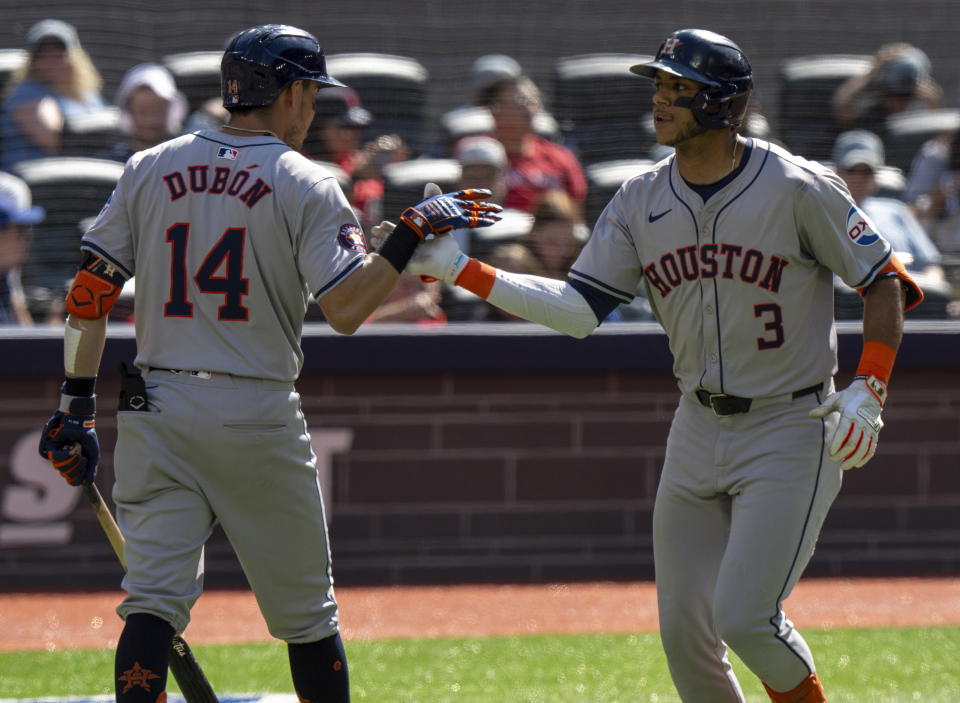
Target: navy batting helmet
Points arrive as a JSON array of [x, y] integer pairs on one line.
[[260, 62], [715, 61]]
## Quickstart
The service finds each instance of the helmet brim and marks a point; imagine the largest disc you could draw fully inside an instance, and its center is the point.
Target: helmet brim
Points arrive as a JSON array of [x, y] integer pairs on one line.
[[325, 81], [649, 70]]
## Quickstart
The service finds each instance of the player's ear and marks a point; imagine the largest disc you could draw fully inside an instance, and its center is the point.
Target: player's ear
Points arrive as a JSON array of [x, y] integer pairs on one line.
[[293, 94]]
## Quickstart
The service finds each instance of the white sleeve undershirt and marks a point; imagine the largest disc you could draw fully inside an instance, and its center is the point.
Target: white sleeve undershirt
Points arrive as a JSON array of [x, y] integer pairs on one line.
[[555, 304]]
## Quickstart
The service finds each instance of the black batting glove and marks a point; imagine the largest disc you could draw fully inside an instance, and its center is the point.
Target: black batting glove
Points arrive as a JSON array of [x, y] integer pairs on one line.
[[69, 439]]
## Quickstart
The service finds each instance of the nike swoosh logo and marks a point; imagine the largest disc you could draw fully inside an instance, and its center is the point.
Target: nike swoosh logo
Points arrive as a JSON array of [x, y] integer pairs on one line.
[[653, 218]]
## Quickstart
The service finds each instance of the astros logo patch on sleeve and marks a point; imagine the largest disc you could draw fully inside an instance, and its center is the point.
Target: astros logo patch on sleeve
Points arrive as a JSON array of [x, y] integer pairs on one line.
[[860, 229], [351, 238]]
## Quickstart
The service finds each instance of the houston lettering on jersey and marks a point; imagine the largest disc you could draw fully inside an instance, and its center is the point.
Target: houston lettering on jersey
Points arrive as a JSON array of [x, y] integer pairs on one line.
[[728, 261], [219, 180]]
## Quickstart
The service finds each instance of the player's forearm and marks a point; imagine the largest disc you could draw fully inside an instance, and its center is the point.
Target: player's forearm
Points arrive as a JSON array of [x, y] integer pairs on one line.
[[882, 330], [546, 301], [83, 342], [347, 305], [883, 313]]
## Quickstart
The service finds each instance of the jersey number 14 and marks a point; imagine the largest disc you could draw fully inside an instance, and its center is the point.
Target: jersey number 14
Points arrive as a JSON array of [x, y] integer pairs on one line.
[[226, 254]]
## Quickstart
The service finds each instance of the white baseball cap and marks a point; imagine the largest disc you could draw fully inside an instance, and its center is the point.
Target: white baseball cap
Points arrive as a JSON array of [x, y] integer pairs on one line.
[[493, 67], [480, 150], [160, 81], [858, 146], [65, 33], [16, 203]]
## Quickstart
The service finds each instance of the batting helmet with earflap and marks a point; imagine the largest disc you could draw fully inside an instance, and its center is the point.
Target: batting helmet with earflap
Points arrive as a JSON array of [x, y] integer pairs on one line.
[[260, 62], [715, 61]]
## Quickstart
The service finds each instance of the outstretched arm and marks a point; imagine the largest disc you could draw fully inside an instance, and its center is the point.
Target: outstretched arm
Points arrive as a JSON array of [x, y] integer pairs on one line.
[[549, 302], [348, 304]]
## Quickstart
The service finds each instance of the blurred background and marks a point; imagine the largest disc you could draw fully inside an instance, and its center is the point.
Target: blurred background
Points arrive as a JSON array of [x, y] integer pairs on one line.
[[556, 444]]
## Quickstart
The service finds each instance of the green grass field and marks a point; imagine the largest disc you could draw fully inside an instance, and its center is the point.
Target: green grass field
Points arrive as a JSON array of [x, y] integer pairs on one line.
[[857, 666]]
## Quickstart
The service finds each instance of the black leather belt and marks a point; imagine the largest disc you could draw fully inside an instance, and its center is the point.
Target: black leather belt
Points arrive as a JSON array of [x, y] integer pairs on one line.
[[723, 404]]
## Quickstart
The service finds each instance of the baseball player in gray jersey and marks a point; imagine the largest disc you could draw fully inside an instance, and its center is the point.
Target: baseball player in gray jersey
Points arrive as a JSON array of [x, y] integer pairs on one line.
[[228, 232], [736, 242]]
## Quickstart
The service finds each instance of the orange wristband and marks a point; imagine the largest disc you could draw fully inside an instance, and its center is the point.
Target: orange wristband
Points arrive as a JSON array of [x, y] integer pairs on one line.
[[477, 277], [876, 360]]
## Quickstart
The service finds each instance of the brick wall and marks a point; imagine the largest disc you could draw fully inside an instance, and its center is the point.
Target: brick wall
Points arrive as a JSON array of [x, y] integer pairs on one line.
[[463, 468], [552, 476]]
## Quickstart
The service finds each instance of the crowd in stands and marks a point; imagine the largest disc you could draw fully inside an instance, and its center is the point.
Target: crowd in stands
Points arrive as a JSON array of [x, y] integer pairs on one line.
[[504, 138]]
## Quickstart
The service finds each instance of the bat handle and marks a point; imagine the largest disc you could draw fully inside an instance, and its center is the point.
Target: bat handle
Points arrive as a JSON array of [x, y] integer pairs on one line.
[[105, 518]]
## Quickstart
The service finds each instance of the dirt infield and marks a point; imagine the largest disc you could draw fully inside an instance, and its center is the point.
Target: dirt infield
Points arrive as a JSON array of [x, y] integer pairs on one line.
[[63, 621]]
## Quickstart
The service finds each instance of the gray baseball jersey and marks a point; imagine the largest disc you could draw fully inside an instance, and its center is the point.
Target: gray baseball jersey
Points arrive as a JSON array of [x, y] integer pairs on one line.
[[742, 284], [227, 237]]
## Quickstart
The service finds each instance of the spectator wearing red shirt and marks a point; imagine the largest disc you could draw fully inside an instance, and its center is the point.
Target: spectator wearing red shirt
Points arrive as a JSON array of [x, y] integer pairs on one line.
[[535, 165]]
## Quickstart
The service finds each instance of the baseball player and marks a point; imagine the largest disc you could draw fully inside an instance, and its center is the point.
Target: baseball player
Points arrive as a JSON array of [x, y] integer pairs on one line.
[[228, 231], [735, 241]]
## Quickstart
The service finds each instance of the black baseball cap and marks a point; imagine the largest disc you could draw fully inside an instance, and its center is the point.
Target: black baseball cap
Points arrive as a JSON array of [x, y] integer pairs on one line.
[[341, 105]]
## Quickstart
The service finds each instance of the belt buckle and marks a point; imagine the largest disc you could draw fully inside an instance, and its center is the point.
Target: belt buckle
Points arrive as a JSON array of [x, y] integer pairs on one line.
[[718, 396], [205, 375]]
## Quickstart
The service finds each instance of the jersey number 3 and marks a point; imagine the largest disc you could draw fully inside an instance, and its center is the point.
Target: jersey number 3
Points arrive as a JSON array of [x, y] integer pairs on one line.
[[226, 254], [774, 326]]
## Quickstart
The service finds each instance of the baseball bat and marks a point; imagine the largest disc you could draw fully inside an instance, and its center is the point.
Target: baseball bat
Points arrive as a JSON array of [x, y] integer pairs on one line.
[[186, 669]]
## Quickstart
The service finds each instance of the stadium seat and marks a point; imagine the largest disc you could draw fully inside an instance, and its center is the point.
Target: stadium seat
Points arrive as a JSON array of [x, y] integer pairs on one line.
[[403, 182], [907, 131], [197, 74], [10, 61], [91, 133], [70, 189], [807, 85], [601, 106], [460, 122], [467, 121], [603, 181], [393, 88], [514, 226]]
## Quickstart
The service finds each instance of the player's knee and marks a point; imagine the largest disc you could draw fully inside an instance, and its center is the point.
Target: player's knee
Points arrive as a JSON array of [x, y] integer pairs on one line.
[[738, 631], [319, 671]]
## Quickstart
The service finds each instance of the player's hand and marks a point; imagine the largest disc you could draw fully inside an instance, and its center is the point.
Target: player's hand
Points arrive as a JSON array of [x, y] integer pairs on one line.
[[69, 440], [379, 233], [438, 213], [859, 405], [439, 259]]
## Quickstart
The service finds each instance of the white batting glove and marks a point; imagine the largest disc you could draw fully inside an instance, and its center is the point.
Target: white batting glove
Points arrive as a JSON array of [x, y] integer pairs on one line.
[[438, 259], [859, 405]]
